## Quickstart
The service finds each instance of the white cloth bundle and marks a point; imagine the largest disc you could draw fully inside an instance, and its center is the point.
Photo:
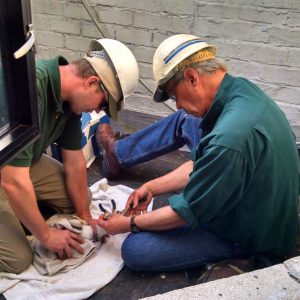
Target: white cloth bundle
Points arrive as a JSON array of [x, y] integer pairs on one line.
[[48, 263], [78, 283]]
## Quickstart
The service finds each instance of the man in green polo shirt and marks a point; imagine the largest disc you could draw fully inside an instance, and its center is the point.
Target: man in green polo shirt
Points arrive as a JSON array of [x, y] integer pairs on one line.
[[102, 78], [239, 195]]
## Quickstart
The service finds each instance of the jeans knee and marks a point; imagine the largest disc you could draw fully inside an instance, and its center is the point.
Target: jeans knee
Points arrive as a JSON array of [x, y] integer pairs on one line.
[[136, 253], [128, 254], [16, 264]]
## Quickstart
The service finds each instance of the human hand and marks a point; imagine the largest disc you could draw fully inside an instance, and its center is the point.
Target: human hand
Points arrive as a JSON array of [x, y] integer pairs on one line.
[[139, 200], [93, 223], [115, 224], [62, 242]]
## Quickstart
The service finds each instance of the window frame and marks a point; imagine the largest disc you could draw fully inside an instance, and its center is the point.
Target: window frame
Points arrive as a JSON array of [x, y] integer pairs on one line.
[[15, 136]]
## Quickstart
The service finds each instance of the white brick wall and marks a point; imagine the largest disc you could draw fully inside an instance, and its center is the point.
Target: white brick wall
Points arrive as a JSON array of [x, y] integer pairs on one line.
[[259, 39]]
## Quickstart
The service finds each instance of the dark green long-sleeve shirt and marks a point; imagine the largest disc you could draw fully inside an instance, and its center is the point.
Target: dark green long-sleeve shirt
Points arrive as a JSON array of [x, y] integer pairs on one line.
[[245, 182]]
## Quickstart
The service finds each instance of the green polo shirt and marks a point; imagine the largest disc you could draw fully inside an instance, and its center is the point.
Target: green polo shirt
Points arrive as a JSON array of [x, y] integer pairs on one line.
[[245, 181], [58, 123]]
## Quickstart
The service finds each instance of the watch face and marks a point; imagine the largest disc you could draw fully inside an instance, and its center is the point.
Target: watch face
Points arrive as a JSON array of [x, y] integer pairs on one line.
[[133, 227]]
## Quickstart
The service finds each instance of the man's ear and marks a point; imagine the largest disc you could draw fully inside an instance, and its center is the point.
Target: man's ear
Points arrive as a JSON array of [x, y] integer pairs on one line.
[[92, 80], [191, 75]]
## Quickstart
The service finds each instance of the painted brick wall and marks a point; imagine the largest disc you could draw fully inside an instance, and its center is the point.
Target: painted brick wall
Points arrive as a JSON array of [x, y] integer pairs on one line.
[[259, 39]]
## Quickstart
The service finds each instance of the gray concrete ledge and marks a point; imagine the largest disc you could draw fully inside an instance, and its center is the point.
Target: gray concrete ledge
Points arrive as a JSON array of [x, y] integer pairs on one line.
[[273, 283]]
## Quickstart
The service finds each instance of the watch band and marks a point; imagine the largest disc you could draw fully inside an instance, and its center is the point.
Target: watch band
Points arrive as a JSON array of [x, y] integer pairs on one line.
[[133, 226]]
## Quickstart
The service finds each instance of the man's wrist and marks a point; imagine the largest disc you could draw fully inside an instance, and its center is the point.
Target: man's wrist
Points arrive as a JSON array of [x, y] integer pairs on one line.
[[85, 216], [44, 235], [133, 226], [149, 187]]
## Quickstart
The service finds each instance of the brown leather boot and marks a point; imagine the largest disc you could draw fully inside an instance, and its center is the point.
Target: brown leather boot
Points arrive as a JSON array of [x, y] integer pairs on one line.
[[106, 138]]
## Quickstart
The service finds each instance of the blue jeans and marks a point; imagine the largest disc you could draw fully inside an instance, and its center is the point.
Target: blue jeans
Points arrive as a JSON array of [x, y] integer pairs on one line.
[[176, 249], [159, 138]]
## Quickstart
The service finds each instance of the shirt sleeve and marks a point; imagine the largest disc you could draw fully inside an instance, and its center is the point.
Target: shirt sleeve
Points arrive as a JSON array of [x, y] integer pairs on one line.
[[25, 157], [71, 137], [216, 185]]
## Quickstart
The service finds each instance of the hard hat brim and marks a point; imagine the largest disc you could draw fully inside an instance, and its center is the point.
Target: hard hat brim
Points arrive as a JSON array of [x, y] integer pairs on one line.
[[160, 95], [113, 108]]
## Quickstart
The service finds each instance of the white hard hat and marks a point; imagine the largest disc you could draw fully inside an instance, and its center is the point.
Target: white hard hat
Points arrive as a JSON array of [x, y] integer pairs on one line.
[[117, 68], [170, 53]]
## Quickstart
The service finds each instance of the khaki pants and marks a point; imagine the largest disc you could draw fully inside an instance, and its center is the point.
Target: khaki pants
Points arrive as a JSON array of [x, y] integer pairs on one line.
[[48, 179]]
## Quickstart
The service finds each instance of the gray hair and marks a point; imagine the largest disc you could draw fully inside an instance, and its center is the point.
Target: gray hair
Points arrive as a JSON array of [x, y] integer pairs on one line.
[[208, 67]]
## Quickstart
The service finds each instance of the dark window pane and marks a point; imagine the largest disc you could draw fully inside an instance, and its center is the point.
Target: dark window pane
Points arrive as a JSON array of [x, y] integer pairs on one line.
[[19, 125], [7, 94]]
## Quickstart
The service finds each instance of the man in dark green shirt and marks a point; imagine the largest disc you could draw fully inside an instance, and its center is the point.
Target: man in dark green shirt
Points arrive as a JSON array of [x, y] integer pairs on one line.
[[64, 91], [240, 194]]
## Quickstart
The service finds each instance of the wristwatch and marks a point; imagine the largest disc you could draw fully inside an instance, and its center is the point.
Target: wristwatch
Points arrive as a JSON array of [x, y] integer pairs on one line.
[[133, 226]]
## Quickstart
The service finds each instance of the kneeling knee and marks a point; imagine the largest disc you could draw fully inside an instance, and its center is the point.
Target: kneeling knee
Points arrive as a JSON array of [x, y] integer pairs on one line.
[[24, 263], [18, 264]]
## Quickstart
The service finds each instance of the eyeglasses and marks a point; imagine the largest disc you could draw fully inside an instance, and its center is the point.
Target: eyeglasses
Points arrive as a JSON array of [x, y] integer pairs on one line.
[[172, 97], [105, 91], [105, 105], [172, 84]]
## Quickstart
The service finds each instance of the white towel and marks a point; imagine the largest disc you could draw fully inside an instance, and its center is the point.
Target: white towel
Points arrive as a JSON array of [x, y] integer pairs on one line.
[[47, 262], [81, 282]]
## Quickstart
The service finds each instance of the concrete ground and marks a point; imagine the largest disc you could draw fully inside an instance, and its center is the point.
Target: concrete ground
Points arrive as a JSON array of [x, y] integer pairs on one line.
[[277, 282]]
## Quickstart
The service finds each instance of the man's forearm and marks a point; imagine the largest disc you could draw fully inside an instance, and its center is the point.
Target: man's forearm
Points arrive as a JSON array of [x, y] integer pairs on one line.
[[76, 181], [27, 211], [78, 192], [160, 219], [19, 189], [174, 181]]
